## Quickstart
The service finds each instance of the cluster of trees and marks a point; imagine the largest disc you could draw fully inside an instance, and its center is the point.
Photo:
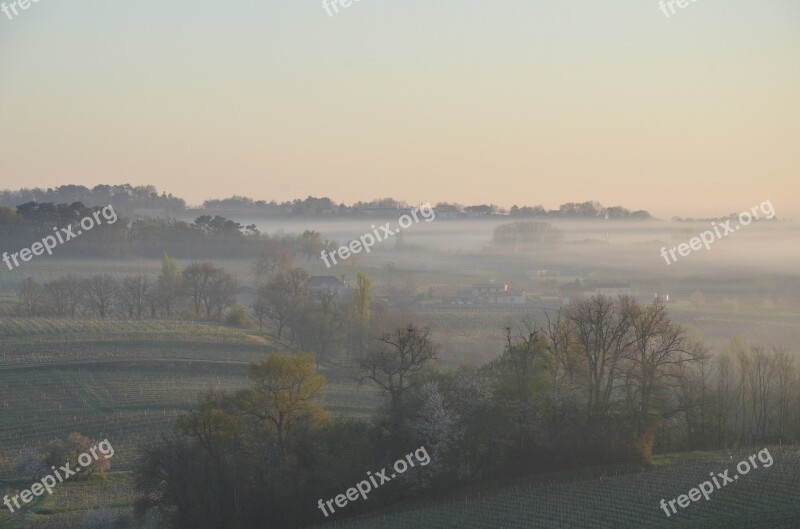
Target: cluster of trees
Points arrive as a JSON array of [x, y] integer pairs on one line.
[[320, 320], [31, 221], [130, 200], [746, 394], [206, 236], [570, 210], [263, 456], [315, 207], [601, 382], [200, 290], [125, 197], [595, 210]]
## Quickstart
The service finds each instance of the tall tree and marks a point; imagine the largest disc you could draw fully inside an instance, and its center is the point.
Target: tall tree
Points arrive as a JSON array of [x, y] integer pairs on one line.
[[393, 365], [169, 284], [658, 347], [360, 315], [601, 330], [287, 389]]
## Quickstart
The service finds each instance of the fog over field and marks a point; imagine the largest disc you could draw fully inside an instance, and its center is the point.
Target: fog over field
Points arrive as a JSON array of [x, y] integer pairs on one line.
[[371, 264]]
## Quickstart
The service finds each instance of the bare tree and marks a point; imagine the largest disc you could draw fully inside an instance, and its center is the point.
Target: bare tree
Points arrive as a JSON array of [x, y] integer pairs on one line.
[[261, 306], [57, 296], [762, 367], [743, 364], [133, 294], [786, 380], [521, 356], [100, 294], [31, 297], [601, 330], [196, 278], [319, 323], [560, 342], [658, 346], [283, 295], [392, 365], [221, 292], [73, 287], [725, 399]]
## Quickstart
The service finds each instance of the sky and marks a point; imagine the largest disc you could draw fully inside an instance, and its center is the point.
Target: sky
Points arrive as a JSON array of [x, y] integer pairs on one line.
[[504, 102]]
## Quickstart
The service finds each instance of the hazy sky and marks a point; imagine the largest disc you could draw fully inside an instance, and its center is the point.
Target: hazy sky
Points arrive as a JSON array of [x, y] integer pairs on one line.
[[509, 101]]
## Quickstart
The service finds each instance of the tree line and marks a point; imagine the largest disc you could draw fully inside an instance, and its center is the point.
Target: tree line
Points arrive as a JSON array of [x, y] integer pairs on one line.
[[207, 236], [319, 320], [602, 381], [201, 290], [131, 201], [125, 197]]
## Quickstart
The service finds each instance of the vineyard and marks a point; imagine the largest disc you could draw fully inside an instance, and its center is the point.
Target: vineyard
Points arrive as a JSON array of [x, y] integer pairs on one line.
[[766, 499], [125, 381]]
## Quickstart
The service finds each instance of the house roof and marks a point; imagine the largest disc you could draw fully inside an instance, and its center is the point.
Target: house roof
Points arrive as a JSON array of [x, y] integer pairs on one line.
[[323, 281], [589, 287], [592, 286]]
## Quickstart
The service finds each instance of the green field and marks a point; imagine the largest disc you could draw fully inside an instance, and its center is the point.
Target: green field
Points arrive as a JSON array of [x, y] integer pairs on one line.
[[126, 380], [765, 498]]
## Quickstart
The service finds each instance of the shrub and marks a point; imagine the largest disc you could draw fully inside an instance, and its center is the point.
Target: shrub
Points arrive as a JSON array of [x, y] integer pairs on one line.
[[66, 450], [641, 447], [100, 519], [30, 467], [238, 316]]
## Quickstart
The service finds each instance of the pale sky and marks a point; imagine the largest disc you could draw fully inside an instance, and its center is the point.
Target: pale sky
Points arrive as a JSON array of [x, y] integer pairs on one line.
[[510, 101]]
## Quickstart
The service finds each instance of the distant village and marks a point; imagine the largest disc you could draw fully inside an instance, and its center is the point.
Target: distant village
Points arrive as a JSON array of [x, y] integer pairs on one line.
[[494, 296]]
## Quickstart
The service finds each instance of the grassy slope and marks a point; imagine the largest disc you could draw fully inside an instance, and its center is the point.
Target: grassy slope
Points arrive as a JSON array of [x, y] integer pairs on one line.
[[765, 498], [596, 498], [115, 491], [125, 380]]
